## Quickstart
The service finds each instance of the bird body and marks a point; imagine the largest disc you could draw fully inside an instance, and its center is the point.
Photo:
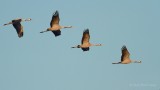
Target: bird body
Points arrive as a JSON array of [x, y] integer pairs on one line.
[[85, 44], [17, 25], [125, 57], [54, 25]]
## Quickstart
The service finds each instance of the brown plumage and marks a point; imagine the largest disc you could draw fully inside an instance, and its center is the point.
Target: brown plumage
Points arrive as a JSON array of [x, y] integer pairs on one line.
[[125, 54], [125, 57], [19, 28], [17, 25], [55, 19], [85, 44], [54, 25], [85, 37]]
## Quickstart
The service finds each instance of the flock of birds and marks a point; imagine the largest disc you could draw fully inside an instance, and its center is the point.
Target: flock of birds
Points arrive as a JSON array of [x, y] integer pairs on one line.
[[56, 29]]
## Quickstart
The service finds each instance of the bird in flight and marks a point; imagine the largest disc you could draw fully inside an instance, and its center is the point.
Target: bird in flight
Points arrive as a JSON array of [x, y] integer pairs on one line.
[[125, 57], [17, 25], [54, 25], [85, 44]]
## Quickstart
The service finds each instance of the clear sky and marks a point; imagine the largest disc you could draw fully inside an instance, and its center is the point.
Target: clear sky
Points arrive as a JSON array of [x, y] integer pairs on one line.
[[45, 62]]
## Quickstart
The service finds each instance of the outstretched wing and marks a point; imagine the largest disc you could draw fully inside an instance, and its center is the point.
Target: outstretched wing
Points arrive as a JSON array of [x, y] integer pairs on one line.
[[86, 36], [19, 28], [55, 19], [125, 53]]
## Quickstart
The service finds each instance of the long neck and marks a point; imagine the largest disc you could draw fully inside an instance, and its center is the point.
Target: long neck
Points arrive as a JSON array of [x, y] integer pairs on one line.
[[7, 23], [78, 46]]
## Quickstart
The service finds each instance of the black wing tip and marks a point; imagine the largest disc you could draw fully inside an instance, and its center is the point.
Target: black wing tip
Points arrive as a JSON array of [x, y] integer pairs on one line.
[[124, 47], [86, 30], [56, 13], [20, 35]]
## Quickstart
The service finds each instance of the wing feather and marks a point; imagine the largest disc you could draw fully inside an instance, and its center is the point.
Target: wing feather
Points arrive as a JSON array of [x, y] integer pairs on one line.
[[55, 19], [125, 53], [19, 28], [85, 37]]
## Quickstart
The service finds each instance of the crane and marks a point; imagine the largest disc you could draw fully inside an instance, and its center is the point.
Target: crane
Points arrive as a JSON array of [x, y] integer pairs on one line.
[[17, 25], [54, 25], [125, 57], [85, 44]]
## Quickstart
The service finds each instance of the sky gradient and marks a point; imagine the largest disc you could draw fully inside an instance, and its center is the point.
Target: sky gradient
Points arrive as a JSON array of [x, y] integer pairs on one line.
[[45, 62]]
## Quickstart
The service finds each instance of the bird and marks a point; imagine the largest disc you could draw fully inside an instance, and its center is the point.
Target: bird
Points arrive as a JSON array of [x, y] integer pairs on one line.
[[85, 44], [17, 25], [54, 25], [125, 57]]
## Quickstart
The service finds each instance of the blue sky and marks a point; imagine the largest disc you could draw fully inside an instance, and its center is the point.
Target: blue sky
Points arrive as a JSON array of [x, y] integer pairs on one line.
[[44, 62]]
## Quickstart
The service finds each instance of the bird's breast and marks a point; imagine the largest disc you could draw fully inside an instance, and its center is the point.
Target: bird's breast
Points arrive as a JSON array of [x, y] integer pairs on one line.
[[85, 45], [55, 27]]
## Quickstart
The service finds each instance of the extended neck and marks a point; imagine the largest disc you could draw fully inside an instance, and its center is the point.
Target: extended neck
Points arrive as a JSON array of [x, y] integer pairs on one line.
[[78, 46]]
